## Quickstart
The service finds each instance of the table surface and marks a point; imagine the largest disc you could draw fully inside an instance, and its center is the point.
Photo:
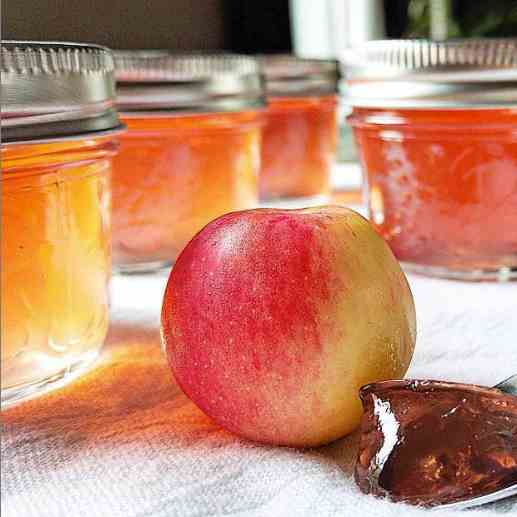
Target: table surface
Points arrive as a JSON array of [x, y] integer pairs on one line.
[[123, 441]]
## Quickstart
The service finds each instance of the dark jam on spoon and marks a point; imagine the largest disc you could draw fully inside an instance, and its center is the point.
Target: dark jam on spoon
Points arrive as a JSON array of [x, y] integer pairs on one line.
[[431, 442]]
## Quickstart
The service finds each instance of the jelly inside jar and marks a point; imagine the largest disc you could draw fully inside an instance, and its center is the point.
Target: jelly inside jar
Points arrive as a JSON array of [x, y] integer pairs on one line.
[[298, 148], [176, 173], [442, 187], [56, 260]]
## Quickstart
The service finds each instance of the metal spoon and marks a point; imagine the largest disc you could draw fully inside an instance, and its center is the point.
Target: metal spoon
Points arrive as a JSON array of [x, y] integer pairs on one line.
[[507, 386]]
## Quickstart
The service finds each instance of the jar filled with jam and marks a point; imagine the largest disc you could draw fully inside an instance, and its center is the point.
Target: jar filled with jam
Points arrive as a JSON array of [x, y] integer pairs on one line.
[[59, 129], [436, 128], [300, 133], [191, 152]]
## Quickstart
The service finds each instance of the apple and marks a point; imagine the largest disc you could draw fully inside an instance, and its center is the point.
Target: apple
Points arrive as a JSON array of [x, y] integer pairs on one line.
[[273, 319]]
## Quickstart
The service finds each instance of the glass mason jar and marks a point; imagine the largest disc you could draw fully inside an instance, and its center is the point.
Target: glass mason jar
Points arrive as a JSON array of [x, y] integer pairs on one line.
[[436, 128], [191, 152], [58, 138], [299, 138]]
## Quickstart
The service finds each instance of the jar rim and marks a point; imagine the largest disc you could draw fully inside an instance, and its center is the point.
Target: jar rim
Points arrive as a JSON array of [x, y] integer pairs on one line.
[[106, 133]]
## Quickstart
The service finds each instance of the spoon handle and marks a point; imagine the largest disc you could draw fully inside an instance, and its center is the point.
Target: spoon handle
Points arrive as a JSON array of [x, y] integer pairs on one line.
[[494, 497], [508, 386]]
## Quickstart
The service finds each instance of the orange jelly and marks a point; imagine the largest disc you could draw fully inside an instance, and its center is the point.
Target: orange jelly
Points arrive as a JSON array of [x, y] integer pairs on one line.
[[436, 129], [55, 258], [176, 173], [443, 184], [299, 141], [298, 147], [191, 152]]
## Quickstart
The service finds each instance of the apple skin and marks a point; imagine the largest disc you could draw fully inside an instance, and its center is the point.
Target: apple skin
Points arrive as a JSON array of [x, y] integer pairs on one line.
[[273, 319]]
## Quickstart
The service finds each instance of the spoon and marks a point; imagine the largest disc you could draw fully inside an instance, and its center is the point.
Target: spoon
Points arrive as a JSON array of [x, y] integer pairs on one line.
[[507, 386], [418, 433]]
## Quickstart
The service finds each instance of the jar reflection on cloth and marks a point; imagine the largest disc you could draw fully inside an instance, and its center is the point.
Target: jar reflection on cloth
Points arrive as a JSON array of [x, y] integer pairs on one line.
[[191, 153], [300, 132], [442, 175], [55, 217]]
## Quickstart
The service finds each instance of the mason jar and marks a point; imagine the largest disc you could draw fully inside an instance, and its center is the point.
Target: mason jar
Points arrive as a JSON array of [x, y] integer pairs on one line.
[[436, 128], [299, 139], [191, 152], [59, 129]]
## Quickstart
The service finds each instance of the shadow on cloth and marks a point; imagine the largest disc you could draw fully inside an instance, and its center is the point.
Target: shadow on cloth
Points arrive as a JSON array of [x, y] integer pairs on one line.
[[130, 389], [128, 396]]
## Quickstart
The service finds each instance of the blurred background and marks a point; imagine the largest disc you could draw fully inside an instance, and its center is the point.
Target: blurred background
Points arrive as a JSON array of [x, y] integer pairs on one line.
[[312, 28]]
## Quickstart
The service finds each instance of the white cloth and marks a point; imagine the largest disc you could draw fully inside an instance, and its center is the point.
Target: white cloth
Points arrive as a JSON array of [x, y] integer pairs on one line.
[[122, 441]]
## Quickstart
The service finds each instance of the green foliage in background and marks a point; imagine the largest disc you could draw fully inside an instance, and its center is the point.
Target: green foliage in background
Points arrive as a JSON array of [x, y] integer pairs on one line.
[[440, 19]]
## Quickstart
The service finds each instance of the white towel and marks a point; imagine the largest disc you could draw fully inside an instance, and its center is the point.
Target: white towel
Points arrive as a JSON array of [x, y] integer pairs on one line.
[[122, 441]]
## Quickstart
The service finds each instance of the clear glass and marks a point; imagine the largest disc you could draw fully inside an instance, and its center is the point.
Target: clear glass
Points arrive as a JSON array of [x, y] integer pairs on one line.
[[298, 150], [55, 261], [442, 188], [173, 175]]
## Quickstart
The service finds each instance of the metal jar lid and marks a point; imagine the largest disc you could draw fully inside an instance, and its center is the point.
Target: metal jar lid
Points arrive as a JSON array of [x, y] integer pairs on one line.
[[149, 81], [288, 76], [464, 73], [54, 89]]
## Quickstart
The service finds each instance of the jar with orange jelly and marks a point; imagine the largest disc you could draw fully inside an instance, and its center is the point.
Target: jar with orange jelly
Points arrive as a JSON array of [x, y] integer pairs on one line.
[[58, 138], [191, 152], [300, 133], [436, 128]]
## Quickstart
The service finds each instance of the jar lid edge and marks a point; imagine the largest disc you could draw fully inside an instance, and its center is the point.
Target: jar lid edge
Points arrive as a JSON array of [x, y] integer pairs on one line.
[[56, 86]]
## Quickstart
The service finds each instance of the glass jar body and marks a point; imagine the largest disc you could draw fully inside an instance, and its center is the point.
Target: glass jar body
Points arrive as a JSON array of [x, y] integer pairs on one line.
[[298, 149], [442, 187], [173, 175], [56, 261]]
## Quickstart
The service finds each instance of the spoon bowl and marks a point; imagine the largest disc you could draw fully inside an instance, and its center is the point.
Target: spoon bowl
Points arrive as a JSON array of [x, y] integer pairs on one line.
[[508, 386], [438, 444]]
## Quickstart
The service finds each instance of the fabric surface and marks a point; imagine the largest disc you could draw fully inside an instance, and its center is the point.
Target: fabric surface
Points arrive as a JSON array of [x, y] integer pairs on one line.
[[123, 441]]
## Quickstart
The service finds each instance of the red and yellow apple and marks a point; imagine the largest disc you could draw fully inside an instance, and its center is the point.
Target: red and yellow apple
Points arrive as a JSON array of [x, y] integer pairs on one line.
[[273, 319]]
